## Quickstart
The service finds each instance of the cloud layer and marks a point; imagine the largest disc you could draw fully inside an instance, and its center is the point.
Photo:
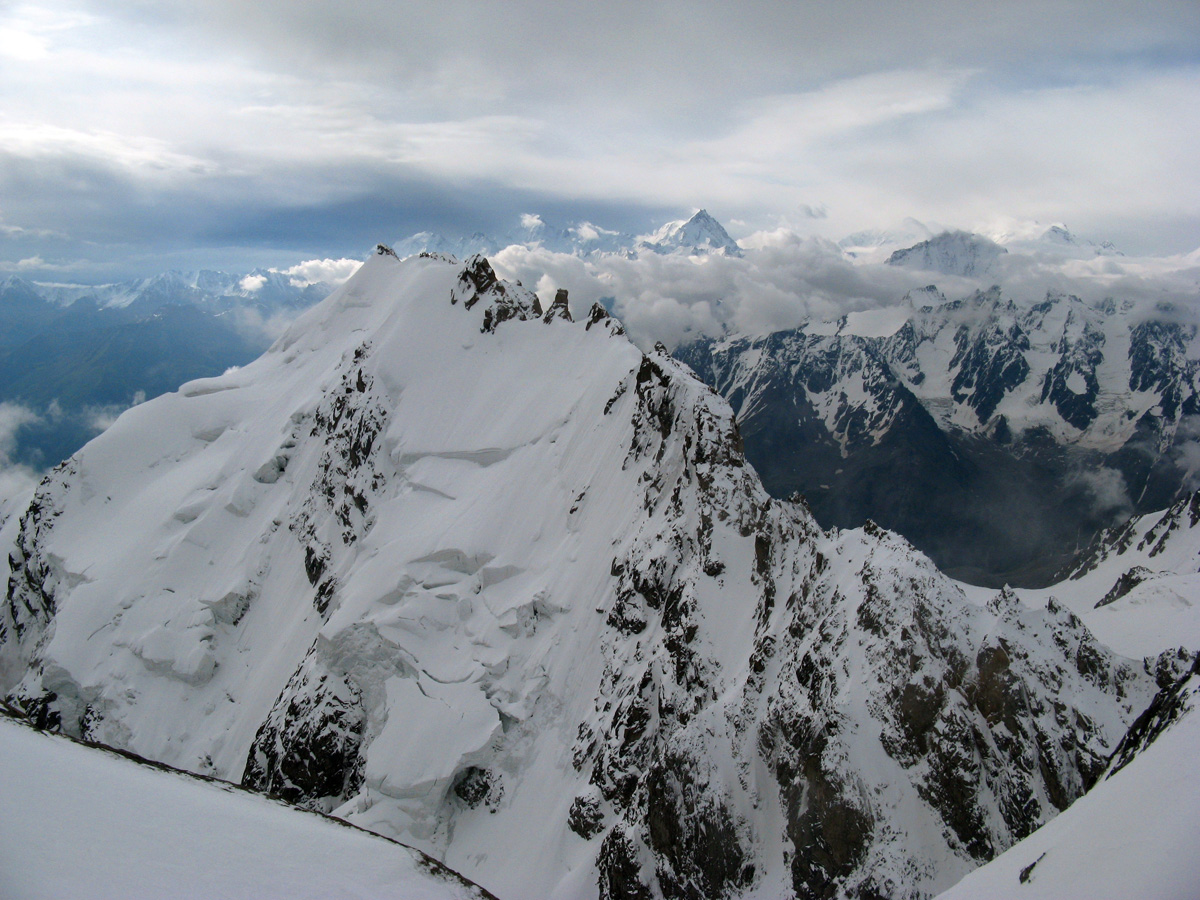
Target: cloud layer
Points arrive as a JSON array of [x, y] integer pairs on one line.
[[787, 279]]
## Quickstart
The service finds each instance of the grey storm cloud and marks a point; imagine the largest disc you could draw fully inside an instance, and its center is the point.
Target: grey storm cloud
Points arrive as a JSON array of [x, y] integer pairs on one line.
[[170, 130], [648, 52]]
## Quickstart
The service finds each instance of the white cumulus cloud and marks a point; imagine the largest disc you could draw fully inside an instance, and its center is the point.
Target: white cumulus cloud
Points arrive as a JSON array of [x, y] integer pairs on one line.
[[326, 271]]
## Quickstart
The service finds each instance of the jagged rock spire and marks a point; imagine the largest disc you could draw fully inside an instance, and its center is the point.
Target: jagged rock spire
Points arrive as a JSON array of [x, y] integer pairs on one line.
[[559, 308]]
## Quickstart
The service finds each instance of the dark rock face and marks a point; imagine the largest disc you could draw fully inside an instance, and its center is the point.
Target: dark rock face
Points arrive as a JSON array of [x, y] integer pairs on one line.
[[694, 838], [337, 511], [620, 870], [826, 822], [306, 752], [1158, 357], [1126, 583], [598, 315], [502, 301], [29, 603], [1169, 705], [559, 308], [586, 818], [1170, 666], [989, 363], [477, 787], [1080, 358]]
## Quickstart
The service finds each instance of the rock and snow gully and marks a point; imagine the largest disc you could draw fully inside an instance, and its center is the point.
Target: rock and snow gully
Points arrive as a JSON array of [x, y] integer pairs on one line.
[[497, 584]]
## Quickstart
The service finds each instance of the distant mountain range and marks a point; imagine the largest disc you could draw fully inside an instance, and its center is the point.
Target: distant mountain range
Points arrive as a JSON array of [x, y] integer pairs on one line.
[[697, 236], [998, 437], [74, 355], [956, 252], [913, 246]]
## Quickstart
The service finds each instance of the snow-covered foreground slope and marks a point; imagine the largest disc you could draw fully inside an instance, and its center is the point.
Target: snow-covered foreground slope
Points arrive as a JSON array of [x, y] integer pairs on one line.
[[498, 584], [85, 824], [1137, 832], [1133, 835]]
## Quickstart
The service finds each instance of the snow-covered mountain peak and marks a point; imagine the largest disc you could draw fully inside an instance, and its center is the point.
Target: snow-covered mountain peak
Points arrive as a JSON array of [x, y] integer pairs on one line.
[[1059, 238], [929, 296], [501, 585], [1054, 241], [951, 253], [697, 236], [1058, 234]]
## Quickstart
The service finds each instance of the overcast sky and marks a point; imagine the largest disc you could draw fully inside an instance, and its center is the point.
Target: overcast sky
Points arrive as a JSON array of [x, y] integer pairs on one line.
[[135, 136]]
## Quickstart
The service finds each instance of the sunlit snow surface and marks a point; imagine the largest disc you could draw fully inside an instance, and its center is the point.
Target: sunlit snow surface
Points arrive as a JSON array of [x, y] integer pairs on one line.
[[84, 824]]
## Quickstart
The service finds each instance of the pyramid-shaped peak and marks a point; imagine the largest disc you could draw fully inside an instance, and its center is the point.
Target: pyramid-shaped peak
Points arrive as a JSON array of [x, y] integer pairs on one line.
[[700, 235]]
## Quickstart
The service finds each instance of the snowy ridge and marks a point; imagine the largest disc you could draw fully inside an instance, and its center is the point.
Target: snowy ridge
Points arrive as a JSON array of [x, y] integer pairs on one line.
[[470, 574]]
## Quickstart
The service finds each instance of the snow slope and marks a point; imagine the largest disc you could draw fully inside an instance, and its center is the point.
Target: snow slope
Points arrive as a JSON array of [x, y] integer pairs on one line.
[[81, 823], [471, 574], [1133, 835]]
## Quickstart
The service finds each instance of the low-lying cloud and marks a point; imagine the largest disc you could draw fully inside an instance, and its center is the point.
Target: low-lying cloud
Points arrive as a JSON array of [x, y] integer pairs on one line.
[[785, 280], [17, 481]]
